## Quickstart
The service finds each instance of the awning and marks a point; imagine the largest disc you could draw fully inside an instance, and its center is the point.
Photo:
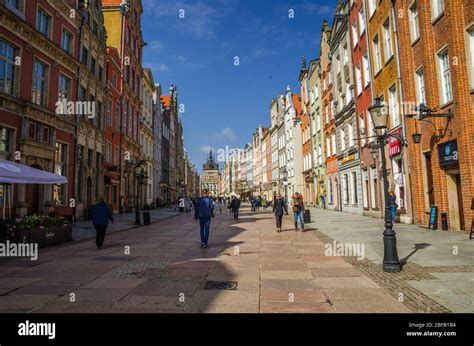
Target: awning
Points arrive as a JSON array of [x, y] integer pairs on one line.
[[395, 145], [15, 173]]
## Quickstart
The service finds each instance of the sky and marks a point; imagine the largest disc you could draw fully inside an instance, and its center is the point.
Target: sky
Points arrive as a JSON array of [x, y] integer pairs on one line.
[[193, 44]]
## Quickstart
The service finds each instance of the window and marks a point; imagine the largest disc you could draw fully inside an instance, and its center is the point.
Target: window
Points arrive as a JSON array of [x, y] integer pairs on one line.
[[114, 80], [85, 56], [420, 86], [99, 115], [345, 186], [414, 23], [39, 87], [437, 8], [348, 92], [343, 139], [43, 23], [362, 129], [358, 80], [116, 155], [82, 94], [64, 88], [110, 107], [362, 20], [443, 61], [60, 168], [370, 128], [117, 117], [16, 4], [101, 73], [371, 7], [8, 68], [355, 200], [351, 135], [393, 106], [470, 52], [365, 65], [388, 40], [318, 122], [333, 142], [345, 58], [328, 147], [331, 198], [93, 65], [377, 57], [355, 34], [5, 141], [45, 134], [320, 155], [66, 41], [32, 131], [108, 152]]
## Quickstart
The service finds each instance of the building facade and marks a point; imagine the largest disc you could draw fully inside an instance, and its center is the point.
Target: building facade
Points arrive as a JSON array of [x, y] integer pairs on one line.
[[386, 85], [436, 45], [210, 177], [347, 148]]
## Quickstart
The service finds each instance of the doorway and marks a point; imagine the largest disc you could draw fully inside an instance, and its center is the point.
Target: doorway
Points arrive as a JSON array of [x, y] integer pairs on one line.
[[460, 204], [32, 195], [89, 191]]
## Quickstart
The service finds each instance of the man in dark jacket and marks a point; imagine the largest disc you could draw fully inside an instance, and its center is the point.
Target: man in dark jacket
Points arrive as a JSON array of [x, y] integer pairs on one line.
[[279, 208], [101, 214], [203, 212], [235, 205]]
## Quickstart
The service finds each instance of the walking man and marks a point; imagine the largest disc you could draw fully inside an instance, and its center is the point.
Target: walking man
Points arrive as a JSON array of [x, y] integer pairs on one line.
[[298, 210], [101, 214], [203, 212], [279, 207], [235, 205]]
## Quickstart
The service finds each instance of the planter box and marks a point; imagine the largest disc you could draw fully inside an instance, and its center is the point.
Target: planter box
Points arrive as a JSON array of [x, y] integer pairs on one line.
[[51, 235], [22, 236]]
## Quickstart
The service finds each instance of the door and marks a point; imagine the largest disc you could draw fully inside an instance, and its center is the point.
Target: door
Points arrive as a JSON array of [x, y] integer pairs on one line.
[[32, 196], [460, 204], [89, 191]]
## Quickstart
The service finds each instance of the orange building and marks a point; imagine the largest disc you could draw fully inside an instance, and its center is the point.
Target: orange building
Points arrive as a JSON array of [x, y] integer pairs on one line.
[[436, 45], [332, 191]]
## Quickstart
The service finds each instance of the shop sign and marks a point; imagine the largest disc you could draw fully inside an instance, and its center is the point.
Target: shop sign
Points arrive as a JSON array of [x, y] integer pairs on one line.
[[448, 153]]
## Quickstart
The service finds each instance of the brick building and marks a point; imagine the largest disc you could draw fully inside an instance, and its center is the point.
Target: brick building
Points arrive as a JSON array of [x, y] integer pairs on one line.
[[307, 152], [386, 85], [436, 44], [363, 100], [39, 58], [113, 137], [332, 192], [122, 20]]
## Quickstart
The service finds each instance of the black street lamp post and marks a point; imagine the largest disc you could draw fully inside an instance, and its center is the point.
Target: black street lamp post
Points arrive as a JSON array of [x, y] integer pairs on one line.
[[141, 176], [391, 263]]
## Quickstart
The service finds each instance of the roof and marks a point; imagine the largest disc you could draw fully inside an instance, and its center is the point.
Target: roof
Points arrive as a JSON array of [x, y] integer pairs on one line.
[[297, 103], [166, 100]]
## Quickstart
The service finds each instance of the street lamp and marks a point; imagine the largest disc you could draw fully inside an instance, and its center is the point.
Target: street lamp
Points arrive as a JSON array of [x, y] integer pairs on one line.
[[379, 114], [141, 177]]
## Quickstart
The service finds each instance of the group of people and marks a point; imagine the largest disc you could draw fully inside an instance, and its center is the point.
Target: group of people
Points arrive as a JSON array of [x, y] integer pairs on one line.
[[280, 208]]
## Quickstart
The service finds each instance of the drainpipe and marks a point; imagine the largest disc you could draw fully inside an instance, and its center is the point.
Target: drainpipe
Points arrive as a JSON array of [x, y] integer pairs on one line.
[[81, 31], [407, 174]]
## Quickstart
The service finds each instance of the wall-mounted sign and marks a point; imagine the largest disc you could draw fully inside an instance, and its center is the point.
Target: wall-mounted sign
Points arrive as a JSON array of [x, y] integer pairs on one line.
[[348, 158], [448, 153]]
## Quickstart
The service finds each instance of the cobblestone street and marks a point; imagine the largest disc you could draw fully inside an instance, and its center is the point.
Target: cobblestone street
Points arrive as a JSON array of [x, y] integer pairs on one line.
[[167, 271]]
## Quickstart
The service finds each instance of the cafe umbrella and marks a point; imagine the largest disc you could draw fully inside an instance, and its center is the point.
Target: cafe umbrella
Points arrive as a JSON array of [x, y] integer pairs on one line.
[[16, 173]]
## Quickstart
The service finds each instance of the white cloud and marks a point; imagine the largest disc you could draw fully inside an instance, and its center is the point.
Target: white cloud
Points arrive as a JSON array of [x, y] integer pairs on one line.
[[155, 46], [226, 134], [205, 149]]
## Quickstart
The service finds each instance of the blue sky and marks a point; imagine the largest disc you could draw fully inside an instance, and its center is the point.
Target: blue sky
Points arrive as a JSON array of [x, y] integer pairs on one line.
[[225, 103]]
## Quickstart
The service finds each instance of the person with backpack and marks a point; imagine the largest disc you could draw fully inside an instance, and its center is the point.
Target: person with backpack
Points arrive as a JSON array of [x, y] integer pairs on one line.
[[101, 214], [204, 211], [297, 204]]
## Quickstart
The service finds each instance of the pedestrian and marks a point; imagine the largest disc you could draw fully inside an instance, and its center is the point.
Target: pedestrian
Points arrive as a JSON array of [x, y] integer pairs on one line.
[[254, 204], [298, 209], [323, 201], [101, 214], [392, 203], [204, 211], [279, 208], [235, 205]]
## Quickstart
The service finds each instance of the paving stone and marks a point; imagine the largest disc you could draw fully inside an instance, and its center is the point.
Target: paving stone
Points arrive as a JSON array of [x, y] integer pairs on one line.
[[345, 282], [286, 307]]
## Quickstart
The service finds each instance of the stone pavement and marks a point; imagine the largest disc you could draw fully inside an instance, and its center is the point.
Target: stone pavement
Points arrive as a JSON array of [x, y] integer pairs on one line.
[[84, 229], [439, 264], [161, 268]]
